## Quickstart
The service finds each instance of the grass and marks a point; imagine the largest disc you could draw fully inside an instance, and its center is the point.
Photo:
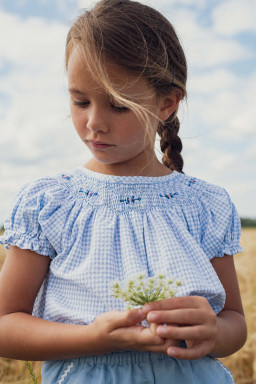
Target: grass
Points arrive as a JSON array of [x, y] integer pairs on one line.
[[242, 363]]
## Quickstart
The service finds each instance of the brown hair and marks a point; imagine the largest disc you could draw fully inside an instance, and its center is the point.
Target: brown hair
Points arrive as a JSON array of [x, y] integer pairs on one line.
[[143, 41]]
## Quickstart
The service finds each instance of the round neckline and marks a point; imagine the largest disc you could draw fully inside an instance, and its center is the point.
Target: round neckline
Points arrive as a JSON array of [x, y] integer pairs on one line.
[[127, 179]]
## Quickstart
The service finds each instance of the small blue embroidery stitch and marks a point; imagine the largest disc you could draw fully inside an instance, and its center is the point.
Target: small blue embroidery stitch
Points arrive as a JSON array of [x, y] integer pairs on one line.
[[66, 177], [191, 181], [88, 193], [129, 200], [170, 196]]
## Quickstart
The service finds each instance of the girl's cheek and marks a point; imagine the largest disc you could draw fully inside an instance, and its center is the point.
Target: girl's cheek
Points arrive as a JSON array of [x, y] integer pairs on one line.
[[79, 122]]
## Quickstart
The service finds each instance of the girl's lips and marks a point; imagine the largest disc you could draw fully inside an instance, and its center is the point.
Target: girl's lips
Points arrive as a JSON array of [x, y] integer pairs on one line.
[[99, 146]]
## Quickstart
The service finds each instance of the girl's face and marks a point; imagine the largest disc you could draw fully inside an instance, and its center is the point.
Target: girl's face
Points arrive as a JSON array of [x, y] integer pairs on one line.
[[123, 149]]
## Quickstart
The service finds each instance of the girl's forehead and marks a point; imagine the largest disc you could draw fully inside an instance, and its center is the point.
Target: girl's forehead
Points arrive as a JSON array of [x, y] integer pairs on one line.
[[79, 76]]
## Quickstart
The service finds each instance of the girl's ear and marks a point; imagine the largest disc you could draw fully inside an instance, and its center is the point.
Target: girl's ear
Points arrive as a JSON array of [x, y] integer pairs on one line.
[[169, 103]]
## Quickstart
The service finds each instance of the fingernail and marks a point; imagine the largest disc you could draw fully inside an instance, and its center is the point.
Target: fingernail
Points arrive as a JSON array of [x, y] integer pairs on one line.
[[161, 330], [171, 351], [146, 307], [151, 317]]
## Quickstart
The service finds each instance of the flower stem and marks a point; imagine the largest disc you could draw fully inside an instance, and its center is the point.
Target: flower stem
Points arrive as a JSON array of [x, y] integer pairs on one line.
[[32, 373]]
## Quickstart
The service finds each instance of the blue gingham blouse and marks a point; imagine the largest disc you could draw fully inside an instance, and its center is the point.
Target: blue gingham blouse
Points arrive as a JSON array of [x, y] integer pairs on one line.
[[97, 228]]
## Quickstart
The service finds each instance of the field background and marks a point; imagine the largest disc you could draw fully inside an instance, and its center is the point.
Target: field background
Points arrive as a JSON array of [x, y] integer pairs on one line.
[[242, 363]]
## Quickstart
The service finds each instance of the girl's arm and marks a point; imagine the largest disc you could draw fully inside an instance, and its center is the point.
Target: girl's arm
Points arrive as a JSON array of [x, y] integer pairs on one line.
[[232, 330], [25, 337], [204, 332]]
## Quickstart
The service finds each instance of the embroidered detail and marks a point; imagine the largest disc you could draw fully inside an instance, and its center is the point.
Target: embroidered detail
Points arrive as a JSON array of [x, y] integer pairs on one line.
[[88, 193], [66, 372], [65, 177], [129, 200], [170, 195], [191, 181]]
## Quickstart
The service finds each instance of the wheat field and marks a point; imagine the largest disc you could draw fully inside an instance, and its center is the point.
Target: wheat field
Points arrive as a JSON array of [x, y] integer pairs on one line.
[[242, 363]]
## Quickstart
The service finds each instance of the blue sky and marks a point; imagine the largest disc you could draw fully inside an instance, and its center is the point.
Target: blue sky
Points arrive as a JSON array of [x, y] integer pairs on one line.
[[218, 122]]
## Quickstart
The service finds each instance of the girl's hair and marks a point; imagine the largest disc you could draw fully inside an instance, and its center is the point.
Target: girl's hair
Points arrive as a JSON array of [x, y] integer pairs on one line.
[[140, 39]]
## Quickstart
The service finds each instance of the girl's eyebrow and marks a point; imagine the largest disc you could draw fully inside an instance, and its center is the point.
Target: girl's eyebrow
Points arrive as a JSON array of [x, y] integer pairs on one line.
[[76, 91]]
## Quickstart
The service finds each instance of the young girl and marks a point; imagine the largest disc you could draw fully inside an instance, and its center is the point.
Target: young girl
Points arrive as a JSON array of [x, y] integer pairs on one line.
[[122, 213]]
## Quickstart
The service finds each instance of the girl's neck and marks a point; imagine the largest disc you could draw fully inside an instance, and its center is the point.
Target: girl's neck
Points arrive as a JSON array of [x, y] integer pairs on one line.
[[153, 169]]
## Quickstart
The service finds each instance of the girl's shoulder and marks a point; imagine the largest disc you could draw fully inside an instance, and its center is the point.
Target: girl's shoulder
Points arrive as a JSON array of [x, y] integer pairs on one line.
[[200, 189], [49, 207], [39, 209], [212, 200], [55, 187], [119, 192], [188, 191]]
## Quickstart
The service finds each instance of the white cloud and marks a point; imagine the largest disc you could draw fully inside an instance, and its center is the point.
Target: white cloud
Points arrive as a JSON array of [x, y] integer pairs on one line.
[[36, 136], [221, 102], [234, 16], [230, 108], [202, 45], [88, 4], [229, 170], [219, 161], [30, 41], [243, 125], [212, 81], [194, 3], [249, 156], [68, 8], [34, 81]]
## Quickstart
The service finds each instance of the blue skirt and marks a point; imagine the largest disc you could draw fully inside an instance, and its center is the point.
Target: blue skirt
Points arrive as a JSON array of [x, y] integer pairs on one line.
[[135, 368]]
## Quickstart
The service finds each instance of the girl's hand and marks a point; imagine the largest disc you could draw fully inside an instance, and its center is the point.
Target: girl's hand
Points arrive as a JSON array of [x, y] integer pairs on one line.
[[120, 330], [188, 318]]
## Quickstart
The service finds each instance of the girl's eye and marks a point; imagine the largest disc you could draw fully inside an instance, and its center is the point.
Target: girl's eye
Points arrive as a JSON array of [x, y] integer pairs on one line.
[[84, 104], [80, 103], [119, 109]]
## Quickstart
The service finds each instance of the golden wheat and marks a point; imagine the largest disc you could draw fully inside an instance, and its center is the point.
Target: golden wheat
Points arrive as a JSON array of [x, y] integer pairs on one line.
[[242, 363]]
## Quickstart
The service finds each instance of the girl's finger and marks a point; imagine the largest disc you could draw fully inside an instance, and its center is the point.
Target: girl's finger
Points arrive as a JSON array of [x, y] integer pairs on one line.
[[162, 348], [148, 338], [140, 336], [181, 316], [120, 319], [200, 350], [153, 327], [176, 303], [185, 333]]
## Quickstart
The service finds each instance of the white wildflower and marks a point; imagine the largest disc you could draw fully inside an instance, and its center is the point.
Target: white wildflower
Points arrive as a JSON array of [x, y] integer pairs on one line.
[[141, 289]]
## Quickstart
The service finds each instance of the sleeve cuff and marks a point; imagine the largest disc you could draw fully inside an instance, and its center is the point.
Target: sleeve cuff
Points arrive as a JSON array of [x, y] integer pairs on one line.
[[23, 241], [229, 249]]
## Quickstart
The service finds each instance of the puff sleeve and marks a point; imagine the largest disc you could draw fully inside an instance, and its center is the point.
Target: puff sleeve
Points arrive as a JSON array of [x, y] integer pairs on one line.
[[220, 223], [22, 226]]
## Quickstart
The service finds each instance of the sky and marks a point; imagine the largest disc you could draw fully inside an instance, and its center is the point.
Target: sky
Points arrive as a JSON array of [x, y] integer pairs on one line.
[[218, 119]]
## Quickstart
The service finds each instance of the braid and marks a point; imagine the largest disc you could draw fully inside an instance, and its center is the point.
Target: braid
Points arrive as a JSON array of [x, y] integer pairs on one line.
[[171, 144]]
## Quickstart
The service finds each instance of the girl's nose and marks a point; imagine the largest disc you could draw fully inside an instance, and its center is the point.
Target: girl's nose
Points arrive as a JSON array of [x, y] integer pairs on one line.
[[97, 121]]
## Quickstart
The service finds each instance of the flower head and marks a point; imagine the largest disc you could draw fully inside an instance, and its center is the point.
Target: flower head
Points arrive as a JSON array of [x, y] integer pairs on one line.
[[142, 289]]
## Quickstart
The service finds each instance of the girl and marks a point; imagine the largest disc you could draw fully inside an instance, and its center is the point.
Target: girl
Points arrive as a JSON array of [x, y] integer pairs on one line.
[[123, 212]]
